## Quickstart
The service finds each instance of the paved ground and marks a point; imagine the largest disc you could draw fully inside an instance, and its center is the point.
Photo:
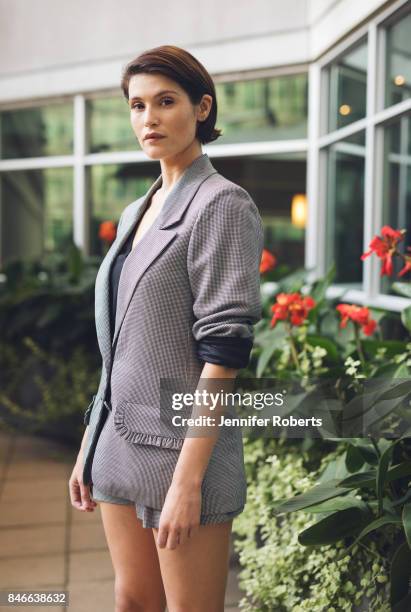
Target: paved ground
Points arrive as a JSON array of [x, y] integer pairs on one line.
[[44, 541]]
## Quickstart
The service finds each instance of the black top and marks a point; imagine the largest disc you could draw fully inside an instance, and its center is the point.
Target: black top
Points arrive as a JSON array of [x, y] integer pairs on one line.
[[229, 351]]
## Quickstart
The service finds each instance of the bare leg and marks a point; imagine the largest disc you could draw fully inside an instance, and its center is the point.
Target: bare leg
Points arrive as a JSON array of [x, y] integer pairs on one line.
[[138, 583], [195, 573]]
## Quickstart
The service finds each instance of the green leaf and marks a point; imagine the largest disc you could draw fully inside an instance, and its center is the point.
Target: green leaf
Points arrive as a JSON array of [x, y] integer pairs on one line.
[[364, 447], [334, 527], [335, 469], [382, 470], [400, 573], [406, 317], [320, 287], [406, 521], [400, 390], [356, 481], [386, 370], [338, 503], [403, 499], [353, 459], [326, 343], [362, 403], [393, 347], [402, 289], [399, 471], [294, 281], [375, 524], [368, 452], [271, 342], [312, 497], [402, 371], [374, 403], [264, 358]]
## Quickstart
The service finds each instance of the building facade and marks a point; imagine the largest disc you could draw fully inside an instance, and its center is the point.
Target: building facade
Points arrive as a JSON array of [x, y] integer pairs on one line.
[[314, 103]]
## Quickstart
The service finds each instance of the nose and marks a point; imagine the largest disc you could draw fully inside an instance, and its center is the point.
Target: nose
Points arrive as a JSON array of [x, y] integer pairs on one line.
[[150, 119]]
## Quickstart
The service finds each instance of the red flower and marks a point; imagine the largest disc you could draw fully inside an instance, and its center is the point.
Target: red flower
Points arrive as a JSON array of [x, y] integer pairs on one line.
[[385, 247], [268, 261], [407, 266], [359, 315], [292, 307], [107, 231]]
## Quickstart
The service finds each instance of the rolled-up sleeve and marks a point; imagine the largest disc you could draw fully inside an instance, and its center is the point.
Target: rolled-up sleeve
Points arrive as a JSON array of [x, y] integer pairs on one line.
[[224, 257]]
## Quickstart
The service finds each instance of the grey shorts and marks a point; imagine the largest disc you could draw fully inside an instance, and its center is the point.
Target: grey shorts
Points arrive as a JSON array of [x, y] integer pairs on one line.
[[150, 517]]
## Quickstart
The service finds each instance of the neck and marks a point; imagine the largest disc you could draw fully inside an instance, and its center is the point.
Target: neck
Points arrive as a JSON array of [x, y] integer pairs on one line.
[[173, 167]]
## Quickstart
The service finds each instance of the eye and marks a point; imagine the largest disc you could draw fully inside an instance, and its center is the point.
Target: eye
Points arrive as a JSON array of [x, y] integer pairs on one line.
[[164, 101]]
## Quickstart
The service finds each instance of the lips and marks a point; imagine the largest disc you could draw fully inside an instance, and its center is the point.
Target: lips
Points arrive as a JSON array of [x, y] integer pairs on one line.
[[153, 137]]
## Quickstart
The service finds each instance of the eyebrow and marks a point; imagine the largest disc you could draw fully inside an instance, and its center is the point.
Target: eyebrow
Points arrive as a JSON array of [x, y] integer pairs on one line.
[[160, 93]]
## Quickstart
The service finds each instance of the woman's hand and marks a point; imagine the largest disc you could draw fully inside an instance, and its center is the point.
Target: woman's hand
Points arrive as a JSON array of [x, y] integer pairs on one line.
[[180, 516], [79, 492]]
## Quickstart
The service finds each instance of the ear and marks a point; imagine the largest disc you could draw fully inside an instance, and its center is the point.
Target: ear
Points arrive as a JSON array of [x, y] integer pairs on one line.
[[204, 107]]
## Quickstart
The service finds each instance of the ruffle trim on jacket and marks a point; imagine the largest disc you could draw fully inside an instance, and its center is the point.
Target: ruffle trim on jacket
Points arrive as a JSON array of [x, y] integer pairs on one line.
[[137, 437]]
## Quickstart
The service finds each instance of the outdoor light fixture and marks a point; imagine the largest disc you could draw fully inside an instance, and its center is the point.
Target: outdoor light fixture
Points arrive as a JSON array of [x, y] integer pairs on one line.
[[345, 109], [299, 210], [399, 80]]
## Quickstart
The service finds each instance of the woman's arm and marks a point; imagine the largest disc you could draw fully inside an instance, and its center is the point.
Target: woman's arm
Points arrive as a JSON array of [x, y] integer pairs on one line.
[[223, 260], [196, 451], [79, 492], [181, 512]]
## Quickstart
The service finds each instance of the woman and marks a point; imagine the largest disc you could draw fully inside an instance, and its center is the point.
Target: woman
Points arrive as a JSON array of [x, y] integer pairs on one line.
[[176, 297]]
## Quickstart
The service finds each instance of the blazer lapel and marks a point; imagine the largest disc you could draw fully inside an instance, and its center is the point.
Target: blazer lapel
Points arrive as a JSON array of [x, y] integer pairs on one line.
[[102, 285], [150, 246], [184, 191], [142, 256]]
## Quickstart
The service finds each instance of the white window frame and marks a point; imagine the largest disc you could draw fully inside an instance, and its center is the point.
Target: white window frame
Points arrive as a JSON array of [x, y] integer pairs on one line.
[[373, 124], [80, 160]]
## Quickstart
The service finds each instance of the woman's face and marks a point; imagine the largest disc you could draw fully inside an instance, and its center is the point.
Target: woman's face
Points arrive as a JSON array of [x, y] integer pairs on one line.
[[158, 104]]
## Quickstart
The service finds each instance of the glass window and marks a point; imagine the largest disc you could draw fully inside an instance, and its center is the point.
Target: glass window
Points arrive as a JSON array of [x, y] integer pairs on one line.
[[262, 109], [109, 127], [111, 188], [272, 180], [348, 87], [36, 212], [398, 61], [37, 132], [275, 181], [397, 190], [248, 111], [345, 209]]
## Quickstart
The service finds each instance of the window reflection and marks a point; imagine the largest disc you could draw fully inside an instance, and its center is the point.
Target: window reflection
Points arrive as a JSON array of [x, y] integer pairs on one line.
[[255, 110], [345, 209], [397, 190], [398, 62], [111, 188], [273, 180], [262, 109], [348, 88], [37, 132], [109, 126], [36, 213]]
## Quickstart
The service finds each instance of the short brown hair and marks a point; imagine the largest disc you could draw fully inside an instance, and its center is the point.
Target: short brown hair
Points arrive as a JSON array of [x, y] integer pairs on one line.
[[183, 68]]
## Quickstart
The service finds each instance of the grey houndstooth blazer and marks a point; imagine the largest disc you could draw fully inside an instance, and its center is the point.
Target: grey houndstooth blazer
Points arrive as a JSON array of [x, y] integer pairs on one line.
[[194, 273]]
